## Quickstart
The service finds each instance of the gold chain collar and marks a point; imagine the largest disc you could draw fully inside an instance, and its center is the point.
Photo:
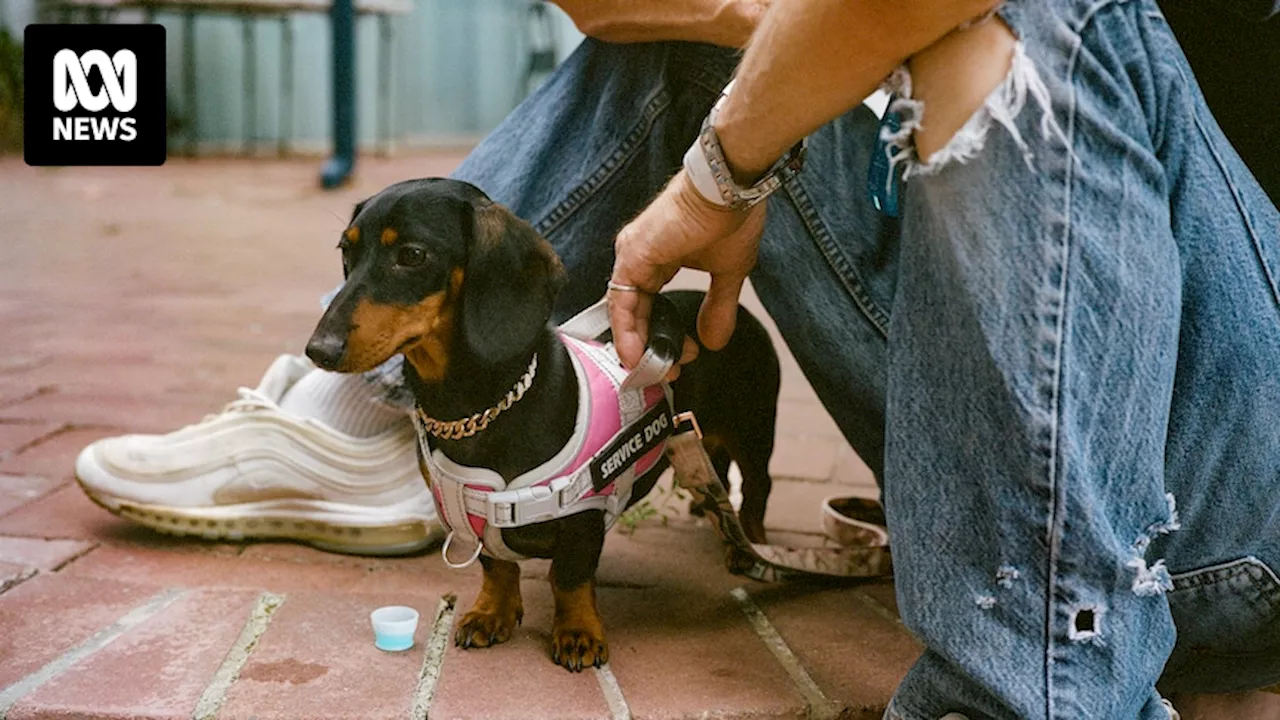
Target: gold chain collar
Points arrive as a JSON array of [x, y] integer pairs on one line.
[[466, 427]]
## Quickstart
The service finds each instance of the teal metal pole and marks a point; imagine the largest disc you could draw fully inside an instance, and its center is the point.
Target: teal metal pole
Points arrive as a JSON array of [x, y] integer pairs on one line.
[[337, 169]]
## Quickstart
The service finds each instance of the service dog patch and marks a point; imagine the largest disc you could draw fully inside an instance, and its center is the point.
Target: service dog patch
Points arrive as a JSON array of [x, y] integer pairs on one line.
[[638, 440]]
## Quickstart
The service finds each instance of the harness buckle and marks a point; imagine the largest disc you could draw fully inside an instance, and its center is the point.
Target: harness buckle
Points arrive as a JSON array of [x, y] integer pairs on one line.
[[688, 417], [513, 508], [558, 486]]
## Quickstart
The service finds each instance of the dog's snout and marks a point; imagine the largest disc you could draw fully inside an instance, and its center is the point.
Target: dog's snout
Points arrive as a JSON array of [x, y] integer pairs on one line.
[[326, 350]]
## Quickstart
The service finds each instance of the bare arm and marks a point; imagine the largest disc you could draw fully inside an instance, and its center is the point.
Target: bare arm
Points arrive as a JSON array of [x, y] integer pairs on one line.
[[812, 60], [728, 23], [809, 61]]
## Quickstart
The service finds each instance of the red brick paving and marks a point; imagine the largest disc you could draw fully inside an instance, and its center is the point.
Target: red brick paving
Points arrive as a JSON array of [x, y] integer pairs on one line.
[[803, 512], [15, 437], [850, 649], [51, 614], [105, 408], [176, 652], [169, 567], [48, 457], [317, 659], [516, 679], [137, 300], [17, 389], [18, 489], [12, 573], [67, 513], [674, 653], [42, 554]]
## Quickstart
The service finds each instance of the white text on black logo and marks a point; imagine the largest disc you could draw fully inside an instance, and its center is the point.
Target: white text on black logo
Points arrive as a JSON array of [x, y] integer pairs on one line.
[[71, 90]]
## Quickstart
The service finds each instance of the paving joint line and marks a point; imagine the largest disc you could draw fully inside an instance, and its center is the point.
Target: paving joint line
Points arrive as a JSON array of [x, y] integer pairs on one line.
[[433, 658], [820, 707], [215, 693], [55, 487], [878, 607], [76, 556], [57, 432], [135, 617], [26, 364], [10, 583], [34, 442], [613, 693], [40, 391]]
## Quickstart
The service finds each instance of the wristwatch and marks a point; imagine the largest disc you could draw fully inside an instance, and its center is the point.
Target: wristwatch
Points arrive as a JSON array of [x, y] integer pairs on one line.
[[707, 169]]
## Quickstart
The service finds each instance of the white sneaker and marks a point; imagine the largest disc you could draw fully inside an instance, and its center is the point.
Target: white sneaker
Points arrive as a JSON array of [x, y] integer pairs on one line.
[[254, 471]]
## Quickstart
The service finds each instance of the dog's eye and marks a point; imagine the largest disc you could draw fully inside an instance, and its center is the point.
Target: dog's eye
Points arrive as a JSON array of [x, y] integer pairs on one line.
[[410, 256]]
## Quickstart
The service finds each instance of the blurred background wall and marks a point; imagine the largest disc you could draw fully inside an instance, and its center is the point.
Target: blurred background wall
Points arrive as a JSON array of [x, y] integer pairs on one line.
[[457, 68]]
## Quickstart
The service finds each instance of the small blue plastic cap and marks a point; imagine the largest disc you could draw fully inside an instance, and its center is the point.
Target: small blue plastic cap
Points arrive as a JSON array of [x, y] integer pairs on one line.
[[393, 627]]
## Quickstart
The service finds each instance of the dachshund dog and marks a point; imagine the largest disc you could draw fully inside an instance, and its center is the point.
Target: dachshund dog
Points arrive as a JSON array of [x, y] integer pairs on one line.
[[464, 289]]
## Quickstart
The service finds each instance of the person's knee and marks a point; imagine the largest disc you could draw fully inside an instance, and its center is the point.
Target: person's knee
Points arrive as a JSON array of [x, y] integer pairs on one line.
[[950, 95], [953, 78]]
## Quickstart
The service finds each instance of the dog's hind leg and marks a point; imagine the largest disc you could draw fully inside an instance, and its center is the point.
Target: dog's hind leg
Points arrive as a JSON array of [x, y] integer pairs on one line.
[[498, 608], [753, 461]]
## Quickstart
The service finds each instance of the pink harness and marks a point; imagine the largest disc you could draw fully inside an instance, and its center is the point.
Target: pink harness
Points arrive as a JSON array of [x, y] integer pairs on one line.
[[622, 423]]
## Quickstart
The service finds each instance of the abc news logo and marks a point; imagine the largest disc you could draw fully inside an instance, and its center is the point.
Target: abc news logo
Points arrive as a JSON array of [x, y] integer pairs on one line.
[[95, 95], [71, 90]]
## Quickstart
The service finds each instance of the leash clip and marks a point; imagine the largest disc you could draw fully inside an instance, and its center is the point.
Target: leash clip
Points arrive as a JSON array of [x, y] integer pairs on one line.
[[688, 417]]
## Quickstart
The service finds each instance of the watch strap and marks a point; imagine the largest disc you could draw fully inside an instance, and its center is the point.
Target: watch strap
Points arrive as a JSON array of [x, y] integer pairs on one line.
[[698, 168], [710, 174]]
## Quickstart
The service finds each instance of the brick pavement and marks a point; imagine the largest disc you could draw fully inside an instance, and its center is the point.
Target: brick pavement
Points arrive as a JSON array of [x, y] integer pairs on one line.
[[137, 300]]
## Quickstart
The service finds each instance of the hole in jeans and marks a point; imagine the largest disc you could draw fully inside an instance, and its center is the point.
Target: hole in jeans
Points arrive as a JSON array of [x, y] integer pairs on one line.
[[1153, 579], [1086, 625], [1086, 621], [953, 79], [950, 95]]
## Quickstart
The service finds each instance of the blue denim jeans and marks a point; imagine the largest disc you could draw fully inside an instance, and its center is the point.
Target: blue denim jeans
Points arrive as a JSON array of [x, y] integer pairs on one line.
[[1063, 362]]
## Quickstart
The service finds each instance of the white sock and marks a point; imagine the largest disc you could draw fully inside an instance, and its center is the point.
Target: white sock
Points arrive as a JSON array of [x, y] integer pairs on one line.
[[346, 403]]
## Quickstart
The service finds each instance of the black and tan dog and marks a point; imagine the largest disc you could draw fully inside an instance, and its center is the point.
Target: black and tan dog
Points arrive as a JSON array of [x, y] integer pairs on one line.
[[464, 289]]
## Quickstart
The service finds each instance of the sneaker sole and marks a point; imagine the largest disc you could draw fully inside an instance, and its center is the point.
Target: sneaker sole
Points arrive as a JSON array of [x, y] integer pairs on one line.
[[313, 523]]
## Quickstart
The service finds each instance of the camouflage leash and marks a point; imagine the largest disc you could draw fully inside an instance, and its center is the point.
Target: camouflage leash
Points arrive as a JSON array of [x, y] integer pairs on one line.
[[855, 524]]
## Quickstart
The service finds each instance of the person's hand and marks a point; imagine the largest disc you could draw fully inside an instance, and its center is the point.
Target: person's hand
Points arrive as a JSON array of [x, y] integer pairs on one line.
[[681, 229]]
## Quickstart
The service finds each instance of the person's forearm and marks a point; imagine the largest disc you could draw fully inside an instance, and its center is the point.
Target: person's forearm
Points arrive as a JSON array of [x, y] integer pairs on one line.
[[812, 60], [728, 23]]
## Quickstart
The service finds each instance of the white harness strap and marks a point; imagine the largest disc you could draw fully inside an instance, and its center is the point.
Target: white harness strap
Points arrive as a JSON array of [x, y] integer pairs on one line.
[[593, 322], [595, 470]]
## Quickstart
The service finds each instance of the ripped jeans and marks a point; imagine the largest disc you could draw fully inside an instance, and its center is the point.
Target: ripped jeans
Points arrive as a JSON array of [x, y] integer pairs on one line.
[[1063, 361]]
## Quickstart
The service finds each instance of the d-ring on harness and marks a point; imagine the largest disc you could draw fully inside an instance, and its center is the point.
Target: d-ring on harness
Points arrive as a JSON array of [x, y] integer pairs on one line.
[[624, 424]]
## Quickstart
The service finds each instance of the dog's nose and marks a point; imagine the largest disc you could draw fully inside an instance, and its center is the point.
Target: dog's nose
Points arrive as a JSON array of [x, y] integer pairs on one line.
[[326, 351]]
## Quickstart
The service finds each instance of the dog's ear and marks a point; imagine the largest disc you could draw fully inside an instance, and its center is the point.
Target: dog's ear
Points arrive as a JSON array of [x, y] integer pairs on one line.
[[356, 211], [346, 271], [511, 280]]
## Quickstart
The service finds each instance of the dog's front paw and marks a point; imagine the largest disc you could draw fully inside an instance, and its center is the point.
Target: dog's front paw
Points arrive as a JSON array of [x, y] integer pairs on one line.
[[482, 628], [575, 648]]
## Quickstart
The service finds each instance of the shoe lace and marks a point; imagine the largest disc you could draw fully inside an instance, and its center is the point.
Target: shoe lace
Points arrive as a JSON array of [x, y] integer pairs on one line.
[[249, 399]]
